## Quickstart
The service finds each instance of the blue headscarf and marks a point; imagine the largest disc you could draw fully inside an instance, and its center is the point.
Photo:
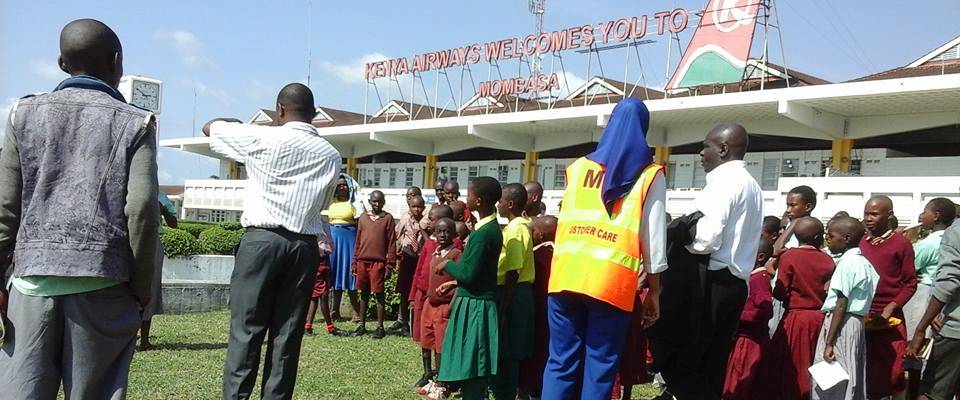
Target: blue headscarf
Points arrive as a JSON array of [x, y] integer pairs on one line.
[[623, 150]]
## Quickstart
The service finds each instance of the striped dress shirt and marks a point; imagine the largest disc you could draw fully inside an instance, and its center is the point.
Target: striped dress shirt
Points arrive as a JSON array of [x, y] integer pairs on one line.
[[291, 172]]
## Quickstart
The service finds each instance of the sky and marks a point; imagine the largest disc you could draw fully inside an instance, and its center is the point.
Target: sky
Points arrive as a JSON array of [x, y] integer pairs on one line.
[[220, 59]]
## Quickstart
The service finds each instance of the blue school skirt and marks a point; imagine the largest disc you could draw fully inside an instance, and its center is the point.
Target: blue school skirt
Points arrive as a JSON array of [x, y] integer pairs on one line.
[[344, 240]]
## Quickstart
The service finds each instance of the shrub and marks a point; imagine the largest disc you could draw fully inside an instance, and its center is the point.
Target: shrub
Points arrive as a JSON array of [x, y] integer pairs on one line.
[[216, 240], [231, 226], [178, 242], [194, 228], [392, 306]]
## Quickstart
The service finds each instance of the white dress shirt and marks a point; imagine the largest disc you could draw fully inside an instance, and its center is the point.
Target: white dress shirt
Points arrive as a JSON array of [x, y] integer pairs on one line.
[[653, 227], [292, 173], [732, 219]]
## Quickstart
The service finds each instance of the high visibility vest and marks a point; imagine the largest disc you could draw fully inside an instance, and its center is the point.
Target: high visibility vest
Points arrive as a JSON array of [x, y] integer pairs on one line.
[[595, 253]]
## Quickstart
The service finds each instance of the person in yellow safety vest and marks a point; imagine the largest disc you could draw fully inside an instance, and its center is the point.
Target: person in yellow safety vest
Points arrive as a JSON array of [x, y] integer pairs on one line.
[[611, 228]]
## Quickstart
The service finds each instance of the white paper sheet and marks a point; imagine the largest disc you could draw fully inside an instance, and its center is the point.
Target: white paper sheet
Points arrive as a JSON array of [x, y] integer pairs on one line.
[[828, 375]]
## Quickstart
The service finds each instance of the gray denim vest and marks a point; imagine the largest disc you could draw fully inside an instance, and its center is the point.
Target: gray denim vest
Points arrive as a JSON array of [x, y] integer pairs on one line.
[[75, 149]]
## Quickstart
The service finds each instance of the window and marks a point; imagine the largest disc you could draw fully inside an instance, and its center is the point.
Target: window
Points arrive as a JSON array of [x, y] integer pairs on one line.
[[597, 89], [408, 177], [771, 174], [376, 177], [454, 174], [559, 178], [790, 168], [699, 176], [952, 53], [473, 171], [218, 216], [855, 167], [393, 110], [671, 175], [393, 177], [503, 174]]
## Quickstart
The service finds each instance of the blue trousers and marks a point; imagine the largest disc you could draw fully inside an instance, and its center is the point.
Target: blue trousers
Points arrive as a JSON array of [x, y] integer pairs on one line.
[[586, 340]]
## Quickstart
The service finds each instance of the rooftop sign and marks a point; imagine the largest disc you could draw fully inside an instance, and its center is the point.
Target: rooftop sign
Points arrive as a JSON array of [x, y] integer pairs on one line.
[[613, 31]]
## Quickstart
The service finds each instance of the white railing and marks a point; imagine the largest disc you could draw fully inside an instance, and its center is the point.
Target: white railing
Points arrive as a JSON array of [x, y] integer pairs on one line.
[[909, 195]]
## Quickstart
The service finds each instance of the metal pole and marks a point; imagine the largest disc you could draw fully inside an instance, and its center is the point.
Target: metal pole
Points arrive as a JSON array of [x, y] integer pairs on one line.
[[563, 70], [766, 34], [436, 89], [643, 78], [666, 78], [553, 70], [486, 109], [783, 57], [413, 89], [589, 67], [626, 66]]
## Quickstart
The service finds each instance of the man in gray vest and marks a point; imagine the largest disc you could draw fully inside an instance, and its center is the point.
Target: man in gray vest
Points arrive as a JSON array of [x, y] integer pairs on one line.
[[79, 213]]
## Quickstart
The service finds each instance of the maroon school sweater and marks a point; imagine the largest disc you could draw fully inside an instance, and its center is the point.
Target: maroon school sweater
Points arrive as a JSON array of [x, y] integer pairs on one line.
[[802, 277], [376, 240], [893, 261]]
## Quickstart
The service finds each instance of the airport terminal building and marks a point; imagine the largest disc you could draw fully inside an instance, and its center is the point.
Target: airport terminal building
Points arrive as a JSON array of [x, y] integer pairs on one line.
[[896, 132]]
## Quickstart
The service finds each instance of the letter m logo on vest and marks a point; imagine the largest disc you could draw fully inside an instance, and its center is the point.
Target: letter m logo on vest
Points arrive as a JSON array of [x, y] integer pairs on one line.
[[597, 254], [593, 178]]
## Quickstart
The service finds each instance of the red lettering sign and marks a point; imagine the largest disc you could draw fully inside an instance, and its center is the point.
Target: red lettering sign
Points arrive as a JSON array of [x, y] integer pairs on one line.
[[618, 30], [514, 86]]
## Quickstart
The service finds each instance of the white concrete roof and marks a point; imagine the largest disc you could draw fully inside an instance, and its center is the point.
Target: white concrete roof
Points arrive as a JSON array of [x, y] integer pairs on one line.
[[843, 110]]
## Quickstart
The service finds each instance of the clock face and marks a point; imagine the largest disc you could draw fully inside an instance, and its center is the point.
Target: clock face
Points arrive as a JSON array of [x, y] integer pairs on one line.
[[146, 95]]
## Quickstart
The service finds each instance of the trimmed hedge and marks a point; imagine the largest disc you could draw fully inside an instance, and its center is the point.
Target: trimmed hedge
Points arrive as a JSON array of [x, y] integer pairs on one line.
[[217, 240], [231, 226], [178, 242], [194, 228]]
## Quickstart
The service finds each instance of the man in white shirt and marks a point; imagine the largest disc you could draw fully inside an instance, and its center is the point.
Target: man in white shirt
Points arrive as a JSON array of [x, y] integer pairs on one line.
[[292, 173], [729, 231]]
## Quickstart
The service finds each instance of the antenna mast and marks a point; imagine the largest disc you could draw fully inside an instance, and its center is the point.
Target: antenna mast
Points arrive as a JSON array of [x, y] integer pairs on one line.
[[537, 8]]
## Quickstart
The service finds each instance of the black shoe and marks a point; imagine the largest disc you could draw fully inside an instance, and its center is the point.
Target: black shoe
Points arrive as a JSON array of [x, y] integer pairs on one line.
[[424, 380], [309, 332], [360, 331], [396, 326], [339, 332], [378, 334], [405, 331]]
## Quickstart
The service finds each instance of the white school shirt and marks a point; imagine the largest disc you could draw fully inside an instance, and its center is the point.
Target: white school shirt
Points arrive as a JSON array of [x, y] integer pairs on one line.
[[292, 173], [653, 227], [732, 220]]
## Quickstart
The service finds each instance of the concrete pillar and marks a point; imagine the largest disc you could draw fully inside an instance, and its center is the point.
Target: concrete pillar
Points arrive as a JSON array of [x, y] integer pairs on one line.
[[429, 171], [530, 166], [352, 167], [840, 154], [661, 155]]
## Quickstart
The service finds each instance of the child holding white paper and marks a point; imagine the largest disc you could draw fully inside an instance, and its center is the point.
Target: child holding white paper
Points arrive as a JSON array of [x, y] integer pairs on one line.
[[851, 291]]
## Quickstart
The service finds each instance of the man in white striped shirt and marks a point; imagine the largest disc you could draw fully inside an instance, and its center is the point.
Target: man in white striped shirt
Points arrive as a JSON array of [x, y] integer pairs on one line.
[[292, 173]]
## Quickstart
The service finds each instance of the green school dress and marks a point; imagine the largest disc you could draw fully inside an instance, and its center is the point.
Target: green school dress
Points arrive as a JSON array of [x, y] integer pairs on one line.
[[471, 344]]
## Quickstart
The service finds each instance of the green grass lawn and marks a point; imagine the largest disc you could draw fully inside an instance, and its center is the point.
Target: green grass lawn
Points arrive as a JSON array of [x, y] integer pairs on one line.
[[187, 363]]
